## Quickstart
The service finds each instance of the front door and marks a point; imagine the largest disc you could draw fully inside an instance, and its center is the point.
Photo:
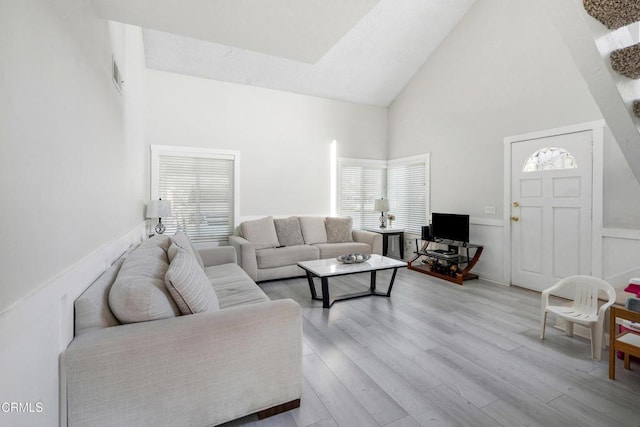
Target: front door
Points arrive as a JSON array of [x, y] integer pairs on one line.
[[551, 191]]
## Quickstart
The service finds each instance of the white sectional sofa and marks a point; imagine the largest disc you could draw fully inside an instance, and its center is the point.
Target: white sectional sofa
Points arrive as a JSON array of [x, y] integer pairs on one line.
[[270, 248], [140, 357]]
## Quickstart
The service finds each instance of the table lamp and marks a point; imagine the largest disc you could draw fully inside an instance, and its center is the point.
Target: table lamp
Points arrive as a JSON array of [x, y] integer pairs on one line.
[[159, 209], [382, 205]]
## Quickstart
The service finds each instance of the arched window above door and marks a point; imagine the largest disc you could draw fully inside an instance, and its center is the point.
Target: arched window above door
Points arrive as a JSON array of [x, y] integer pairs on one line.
[[550, 158]]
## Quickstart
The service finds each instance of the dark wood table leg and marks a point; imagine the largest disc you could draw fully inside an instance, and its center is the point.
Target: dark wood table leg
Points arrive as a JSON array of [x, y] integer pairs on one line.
[[385, 244], [401, 238], [325, 293]]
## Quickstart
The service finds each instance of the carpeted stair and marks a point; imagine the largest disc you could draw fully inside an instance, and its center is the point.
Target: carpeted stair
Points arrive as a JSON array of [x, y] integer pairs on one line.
[[615, 14], [636, 108], [627, 61]]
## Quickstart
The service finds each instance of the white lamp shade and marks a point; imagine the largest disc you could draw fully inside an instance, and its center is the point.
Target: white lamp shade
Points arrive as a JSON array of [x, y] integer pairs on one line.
[[381, 205], [159, 209]]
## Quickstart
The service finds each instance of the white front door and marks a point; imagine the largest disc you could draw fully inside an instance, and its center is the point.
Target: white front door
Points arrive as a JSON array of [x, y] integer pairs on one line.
[[551, 191]]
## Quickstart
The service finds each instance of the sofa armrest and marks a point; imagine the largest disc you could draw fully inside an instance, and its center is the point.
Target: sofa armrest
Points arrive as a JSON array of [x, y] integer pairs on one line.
[[218, 255], [372, 239], [200, 369], [246, 252]]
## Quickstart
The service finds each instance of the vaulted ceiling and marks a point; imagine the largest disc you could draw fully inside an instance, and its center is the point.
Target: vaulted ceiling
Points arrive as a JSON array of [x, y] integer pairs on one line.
[[362, 51]]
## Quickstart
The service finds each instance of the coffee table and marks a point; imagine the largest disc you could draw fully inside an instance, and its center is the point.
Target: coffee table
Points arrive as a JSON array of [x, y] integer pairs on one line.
[[325, 268]]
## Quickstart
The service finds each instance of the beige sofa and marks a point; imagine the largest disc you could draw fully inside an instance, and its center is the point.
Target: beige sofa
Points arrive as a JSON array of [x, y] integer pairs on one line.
[[139, 358], [270, 248]]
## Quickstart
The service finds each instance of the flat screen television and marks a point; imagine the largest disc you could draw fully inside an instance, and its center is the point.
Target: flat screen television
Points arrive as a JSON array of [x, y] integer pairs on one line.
[[450, 227]]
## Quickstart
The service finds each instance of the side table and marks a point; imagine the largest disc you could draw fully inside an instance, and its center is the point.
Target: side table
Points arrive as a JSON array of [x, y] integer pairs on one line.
[[386, 232]]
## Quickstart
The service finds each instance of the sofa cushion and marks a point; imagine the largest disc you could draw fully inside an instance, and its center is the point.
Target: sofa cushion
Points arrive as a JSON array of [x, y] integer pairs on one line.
[[172, 251], [233, 287], [260, 232], [333, 250], [313, 229], [338, 229], [288, 255], [139, 293], [92, 307], [189, 286], [183, 241], [288, 231]]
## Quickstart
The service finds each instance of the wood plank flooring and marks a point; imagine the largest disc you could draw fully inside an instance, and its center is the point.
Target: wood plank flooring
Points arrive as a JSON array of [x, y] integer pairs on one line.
[[439, 354]]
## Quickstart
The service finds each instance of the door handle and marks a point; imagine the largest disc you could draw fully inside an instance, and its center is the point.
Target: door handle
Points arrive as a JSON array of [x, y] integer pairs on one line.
[[515, 218]]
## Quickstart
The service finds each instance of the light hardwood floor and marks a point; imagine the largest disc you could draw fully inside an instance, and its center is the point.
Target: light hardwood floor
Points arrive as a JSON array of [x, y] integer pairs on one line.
[[437, 354]]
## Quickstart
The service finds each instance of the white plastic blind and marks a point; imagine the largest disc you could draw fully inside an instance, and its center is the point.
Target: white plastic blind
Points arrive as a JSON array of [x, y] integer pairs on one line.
[[408, 192], [360, 184], [201, 191]]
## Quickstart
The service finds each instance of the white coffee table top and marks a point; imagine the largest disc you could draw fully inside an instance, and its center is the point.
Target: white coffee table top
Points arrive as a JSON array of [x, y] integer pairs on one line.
[[333, 267]]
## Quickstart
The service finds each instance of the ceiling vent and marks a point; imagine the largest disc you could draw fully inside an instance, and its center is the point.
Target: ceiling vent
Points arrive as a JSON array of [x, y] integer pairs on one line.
[[115, 75]]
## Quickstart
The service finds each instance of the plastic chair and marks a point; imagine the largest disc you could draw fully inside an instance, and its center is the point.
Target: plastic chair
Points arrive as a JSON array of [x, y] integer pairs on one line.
[[584, 309]]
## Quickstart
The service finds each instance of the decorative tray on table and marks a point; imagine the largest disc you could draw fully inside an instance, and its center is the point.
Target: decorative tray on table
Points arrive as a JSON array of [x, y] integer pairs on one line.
[[353, 258]]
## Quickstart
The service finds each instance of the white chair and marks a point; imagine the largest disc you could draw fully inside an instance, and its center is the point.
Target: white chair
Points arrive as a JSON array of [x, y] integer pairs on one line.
[[584, 309]]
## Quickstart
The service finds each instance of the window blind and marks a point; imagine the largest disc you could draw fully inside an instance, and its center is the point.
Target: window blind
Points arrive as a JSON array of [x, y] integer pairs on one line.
[[360, 184], [408, 191], [201, 191]]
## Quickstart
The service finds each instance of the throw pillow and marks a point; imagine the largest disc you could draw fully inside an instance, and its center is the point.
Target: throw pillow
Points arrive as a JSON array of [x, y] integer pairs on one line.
[[313, 230], [288, 231], [339, 230], [183, 241], [92, 306], [188, 285], [260, 232]]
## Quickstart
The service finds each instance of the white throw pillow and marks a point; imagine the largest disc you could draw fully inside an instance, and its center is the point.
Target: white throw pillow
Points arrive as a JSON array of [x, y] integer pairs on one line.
[[189, 286], [260, 232]]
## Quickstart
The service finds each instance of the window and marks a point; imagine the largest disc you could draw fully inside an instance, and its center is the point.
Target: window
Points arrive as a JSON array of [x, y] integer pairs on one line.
[[408, 192], [405, 182], [550, 158], [360, 183], [202, 187]]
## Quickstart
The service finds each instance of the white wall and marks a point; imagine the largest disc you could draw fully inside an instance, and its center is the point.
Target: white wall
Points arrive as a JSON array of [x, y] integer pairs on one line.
[[503, 71], [621, 189], [283, 138], [70, 180], [68, 163]]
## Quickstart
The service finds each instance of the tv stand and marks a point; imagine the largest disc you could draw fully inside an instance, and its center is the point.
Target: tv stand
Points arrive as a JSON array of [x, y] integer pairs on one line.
[[452, 265]]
